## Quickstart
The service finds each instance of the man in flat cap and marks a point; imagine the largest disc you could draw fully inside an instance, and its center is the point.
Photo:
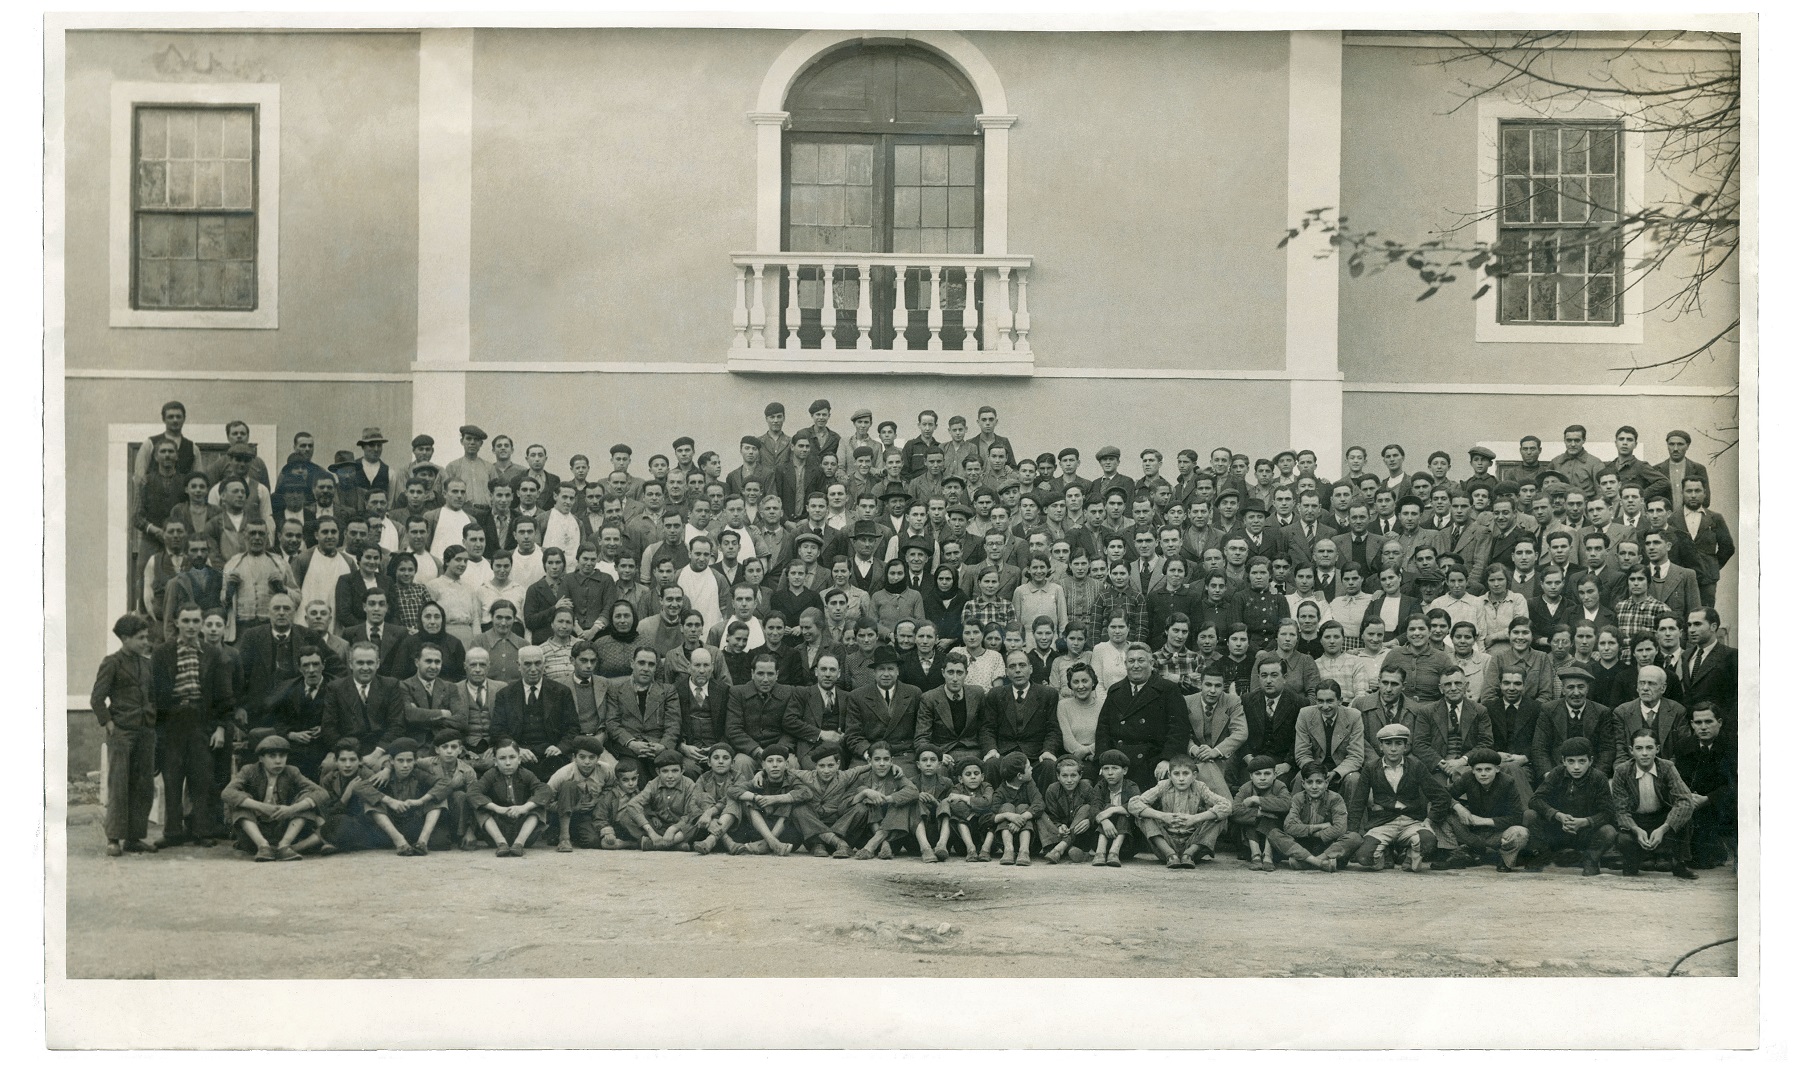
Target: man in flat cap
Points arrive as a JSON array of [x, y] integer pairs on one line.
[[1110, 477], [754, 467], [1678, 469], [474, 472], [1481, 461], [1574, 714]]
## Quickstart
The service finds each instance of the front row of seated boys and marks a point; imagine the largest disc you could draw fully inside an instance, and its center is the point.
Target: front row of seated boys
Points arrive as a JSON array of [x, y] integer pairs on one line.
[[424, 799]]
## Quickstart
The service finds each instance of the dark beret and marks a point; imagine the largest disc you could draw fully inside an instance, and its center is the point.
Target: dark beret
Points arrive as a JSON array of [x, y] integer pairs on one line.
[[1573, 747], [1483, 755], [1114, 757]]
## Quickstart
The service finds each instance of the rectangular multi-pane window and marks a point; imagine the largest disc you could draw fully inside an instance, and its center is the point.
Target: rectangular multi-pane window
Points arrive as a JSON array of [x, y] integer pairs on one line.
[[194, 208], [1558, 228]]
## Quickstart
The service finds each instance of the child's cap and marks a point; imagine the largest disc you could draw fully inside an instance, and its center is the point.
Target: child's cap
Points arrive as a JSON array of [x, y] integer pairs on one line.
[[1483, 755], [963, 766], [1014, 764], [1259, 762], [1575, 746], [718, 747], [1114, 757], [272, 742], [929, 750], [665, 759], [445, 736], [826, 751], [403, 745], [779, 749], [1182, 760], [592, 745], [1068, 760]]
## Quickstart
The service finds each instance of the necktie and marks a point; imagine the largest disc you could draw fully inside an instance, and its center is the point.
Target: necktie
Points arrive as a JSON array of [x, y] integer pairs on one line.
[[643, 702], [1330, 732]]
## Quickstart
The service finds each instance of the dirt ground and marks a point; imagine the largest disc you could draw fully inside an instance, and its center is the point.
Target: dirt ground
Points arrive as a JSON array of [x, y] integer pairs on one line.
[[211, 913]]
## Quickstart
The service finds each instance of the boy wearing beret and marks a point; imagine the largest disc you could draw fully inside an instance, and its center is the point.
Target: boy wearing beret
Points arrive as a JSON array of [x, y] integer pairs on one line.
[[824, 819], [719, 809], [1486, 814], [971, 808], [1181, 817], [1112, 809], [662, 814], [1572, 810], [448, 763], [269, 799], [1259, 807], [408, 807], [1017, 803], [121, 701]]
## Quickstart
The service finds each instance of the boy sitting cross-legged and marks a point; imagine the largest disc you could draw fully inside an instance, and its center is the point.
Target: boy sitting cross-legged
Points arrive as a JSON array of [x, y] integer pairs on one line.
[[882, 802], [1316, 831], [1572, 810], [1181, 817], [971, 806], [578, 789], [719, 808], [269, 799], [449, 763], [930, 812], [1112, 814], [340, 777], [662, 814], [407, 807], [818, 820], [769, 807], [510, 801], [1017, 803], [1067, 821], [607, 825]]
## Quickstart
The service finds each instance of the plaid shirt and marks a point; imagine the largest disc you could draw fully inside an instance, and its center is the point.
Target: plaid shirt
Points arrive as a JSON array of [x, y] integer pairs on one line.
[[1180, 666], [984, 612], [1113, 603], [409, 601], [187, 675], [1639, 615]]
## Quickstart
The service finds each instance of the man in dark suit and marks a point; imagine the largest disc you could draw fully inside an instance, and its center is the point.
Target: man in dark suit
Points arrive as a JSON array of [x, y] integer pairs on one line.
[[378, 630], [191, 692], [364, 704], [1575, 715], [1675, 586], [1020, 716], [1709, 535], [1143, 716], [643, 716], [1707, 761], [1357, 545], [763, 713], [298, 713], [825, 704], [886, 710], [1677, 470], [1653, 710], [702, 702], [353, 587], [270, 655], [428, 702], [950, 714], [1271, 713], [1462, 724], [1513, 715], [538, 714], [1711, 669]]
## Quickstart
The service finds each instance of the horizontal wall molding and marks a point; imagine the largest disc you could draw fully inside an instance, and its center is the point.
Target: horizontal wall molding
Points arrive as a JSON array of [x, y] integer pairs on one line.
[[1581, 40], [826, 365], [232, 375], [1541, 389], [647, 368]]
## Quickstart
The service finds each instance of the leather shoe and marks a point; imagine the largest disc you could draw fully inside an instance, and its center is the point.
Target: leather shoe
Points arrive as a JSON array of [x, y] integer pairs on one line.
[[1681, 870], [143, 846], [1631, 870], [114, 848], [1591, 869]]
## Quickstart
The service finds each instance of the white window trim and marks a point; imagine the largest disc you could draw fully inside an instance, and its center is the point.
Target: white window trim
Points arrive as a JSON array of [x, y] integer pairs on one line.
[[1490, 110], [267, 98]]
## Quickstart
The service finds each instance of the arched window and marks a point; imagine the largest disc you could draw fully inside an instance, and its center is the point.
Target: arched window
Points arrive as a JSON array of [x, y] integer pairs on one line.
[[882, 154]]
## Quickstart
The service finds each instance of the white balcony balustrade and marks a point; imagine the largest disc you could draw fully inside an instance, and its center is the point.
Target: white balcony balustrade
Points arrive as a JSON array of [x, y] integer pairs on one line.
[[881, 312]]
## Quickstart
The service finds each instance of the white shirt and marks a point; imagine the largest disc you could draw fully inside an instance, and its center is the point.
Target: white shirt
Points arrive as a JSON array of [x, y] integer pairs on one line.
[[479, 572], [528, 569], [449, 533], [564, 531], [513, 592], [702, 589]]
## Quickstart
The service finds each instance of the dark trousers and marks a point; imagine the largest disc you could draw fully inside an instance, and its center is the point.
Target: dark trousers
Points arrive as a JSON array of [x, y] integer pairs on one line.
[[1713, 831], [1547, 836], [130, 782], [1043, 771], [187, 769], [1674, 842]]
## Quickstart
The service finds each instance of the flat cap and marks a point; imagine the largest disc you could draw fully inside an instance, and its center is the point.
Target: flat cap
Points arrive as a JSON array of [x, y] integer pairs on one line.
[[423, 440], [1114, 757], [1393, 731], [1483, 756], [809, 537], [403, 744], [866, 530], [778, 749], [1481, 451], [471, 429], [277, 742], [1574, 671], [862, 414], [959, 509], [1679, 434], [445, 736], [750, 440], [240, 450], [685, 440], [1068, 451], [1105, 452], [1255, 505], [1258, 762]]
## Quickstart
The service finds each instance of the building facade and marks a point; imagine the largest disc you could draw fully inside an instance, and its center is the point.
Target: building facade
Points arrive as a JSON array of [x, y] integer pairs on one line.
[[582, 236]]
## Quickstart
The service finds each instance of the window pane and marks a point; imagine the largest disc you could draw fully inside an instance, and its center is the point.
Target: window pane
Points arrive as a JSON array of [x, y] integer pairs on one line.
[[206, 133], [1515, 200], [962, 165], [1600, 299], [1603, 152], [962, 240], [212, 238], [1574, 150], [181, 135], [1573, 294], [906, 208], [240, 238], [1515, 299], [859, 164], [933, 241], [859, 204], [183, 238], [1605, 195], [803, 162], [1543, 151], [906, 239], [934, 165], [831, 165], [208, 184], [934, 206], [181, 183], [153, 284], [962, 207], [1515, 150], [1543, 297], [152, 185], [906, 165], [153, 134], [1574, 200], [184, 283], [1544, 197], [1543, 255], [235, 141], [1571, 257], [237, 184]]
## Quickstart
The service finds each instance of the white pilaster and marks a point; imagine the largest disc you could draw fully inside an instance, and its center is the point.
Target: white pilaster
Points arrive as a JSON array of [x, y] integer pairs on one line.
[[768, 178], [1315, 118], [996, 131], [446, 192]]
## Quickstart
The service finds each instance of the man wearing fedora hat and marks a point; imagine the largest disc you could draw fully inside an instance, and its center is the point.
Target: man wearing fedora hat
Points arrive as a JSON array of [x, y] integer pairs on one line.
[[886, 711], [371, 473]]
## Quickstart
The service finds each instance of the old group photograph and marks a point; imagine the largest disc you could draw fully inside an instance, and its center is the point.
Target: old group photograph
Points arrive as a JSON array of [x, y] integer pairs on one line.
[[568, 505]]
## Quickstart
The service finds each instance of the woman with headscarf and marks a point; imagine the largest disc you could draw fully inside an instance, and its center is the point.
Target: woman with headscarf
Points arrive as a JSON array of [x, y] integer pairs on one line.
[[620, 638], [944, 601], [402, 661], [895, 600]]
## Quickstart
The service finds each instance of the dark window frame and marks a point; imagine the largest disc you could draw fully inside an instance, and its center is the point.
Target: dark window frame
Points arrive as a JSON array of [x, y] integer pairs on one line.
[[1523, 245], [254, 212]]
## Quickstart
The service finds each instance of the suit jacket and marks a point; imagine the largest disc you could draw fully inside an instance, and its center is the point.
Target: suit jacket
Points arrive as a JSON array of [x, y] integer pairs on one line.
[[1694, 468], [391, 635], [1713, 546], [754, 721], [291, 710], [1597, 724], [1299, 547], [660, 722], [1671, 791], [1348, 750], [1427, 743], [1031, 727], [1671, 726], [351, 590], [1475, 548], [590, 703], [702, 724], [420, 703], [1476, 730], [1514, 731], [1408, 607], [256, 651], [376, 723], [1223, 729], [1154, 722], [1271, 723], [915, 674], [947, 725], [557, 706], [1366, 555], [873, 719], [1680, 590], [817, 718], [216, 695], [1714, 679]]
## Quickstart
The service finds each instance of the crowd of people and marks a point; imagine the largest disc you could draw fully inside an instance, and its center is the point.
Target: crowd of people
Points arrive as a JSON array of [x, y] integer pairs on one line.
[[849, 644]]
